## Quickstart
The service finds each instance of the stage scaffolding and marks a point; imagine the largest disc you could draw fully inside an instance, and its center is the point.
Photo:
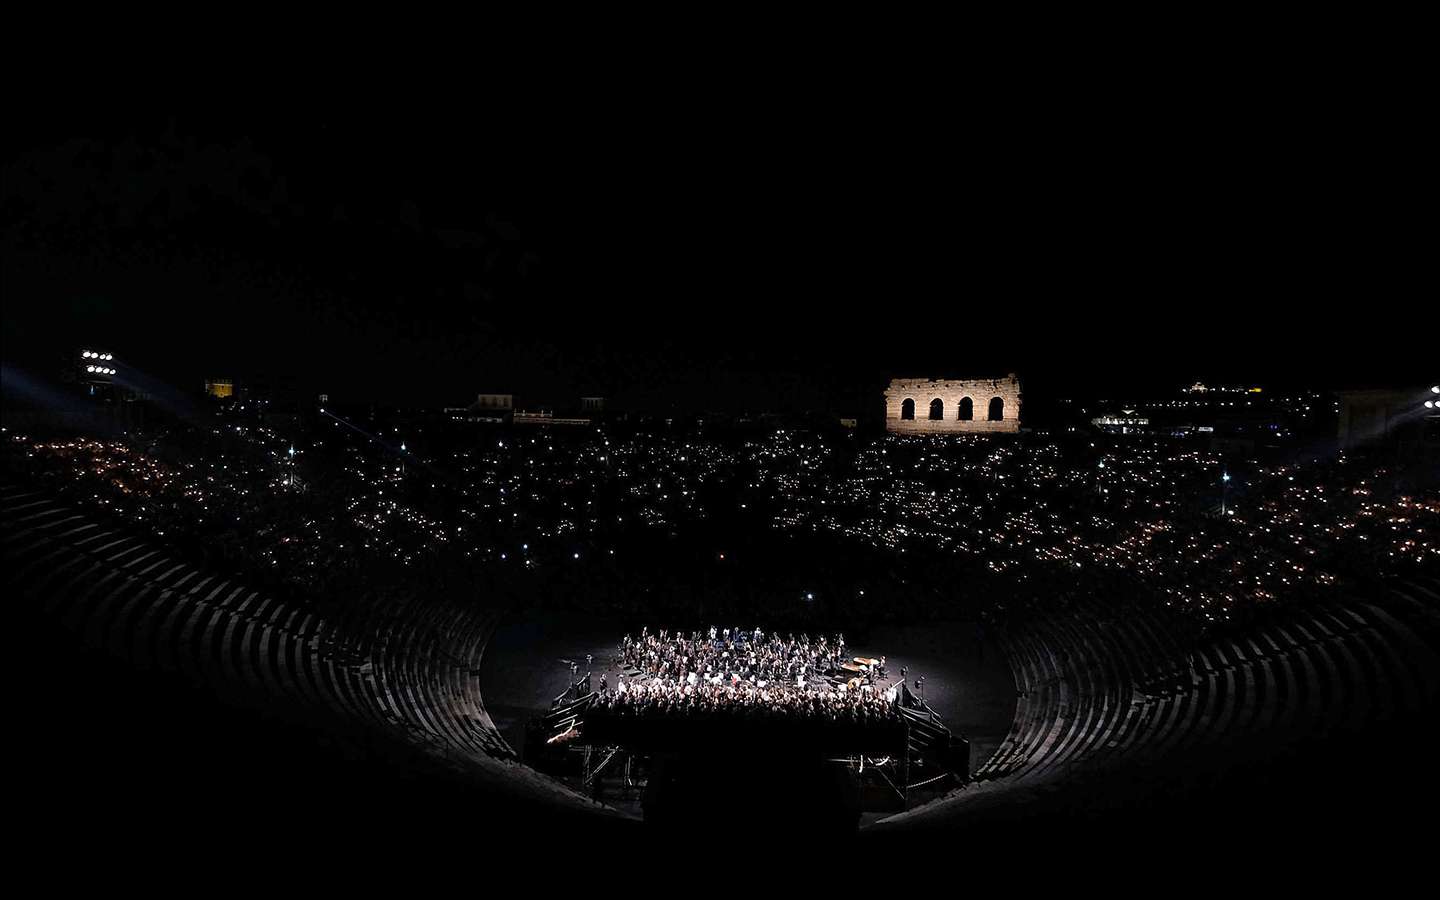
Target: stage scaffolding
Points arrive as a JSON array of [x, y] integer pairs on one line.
[[892, 769]]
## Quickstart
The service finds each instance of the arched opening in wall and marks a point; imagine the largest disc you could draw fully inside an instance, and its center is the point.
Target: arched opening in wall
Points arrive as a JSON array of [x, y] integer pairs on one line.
[[967, 409], [937, 409], [997, 409], [907, 409]]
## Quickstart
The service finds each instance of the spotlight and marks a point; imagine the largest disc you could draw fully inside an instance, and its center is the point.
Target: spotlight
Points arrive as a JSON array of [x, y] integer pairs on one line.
[[1435, 388], [92, 368], [1429, 404], [85, 355]]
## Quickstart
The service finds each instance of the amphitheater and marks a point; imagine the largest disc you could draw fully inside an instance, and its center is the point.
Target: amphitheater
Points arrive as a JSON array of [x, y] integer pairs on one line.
[[1108, 696]]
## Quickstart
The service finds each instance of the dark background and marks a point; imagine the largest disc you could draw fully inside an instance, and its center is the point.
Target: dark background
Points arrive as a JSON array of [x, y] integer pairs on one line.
[[728, 237], [732, 238]]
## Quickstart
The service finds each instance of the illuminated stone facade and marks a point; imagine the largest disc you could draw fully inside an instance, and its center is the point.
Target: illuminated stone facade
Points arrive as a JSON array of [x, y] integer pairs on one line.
[[943, 406]]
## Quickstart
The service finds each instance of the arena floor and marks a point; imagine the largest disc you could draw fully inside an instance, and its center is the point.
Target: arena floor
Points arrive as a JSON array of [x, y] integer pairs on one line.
[[527, 664]]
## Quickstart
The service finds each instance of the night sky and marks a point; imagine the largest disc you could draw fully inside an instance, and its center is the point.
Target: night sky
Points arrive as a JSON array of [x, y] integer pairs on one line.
[[724, 246]]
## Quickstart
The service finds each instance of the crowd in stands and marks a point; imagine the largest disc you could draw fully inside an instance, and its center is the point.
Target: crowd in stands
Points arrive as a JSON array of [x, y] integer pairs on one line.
[[781, 527]]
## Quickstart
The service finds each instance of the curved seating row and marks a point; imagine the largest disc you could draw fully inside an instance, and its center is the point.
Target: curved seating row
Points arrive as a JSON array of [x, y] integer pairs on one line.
[[411, 674], [1108, 688]]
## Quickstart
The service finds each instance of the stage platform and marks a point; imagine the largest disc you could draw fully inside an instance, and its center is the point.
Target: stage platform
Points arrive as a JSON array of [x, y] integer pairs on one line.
[[527, 665]]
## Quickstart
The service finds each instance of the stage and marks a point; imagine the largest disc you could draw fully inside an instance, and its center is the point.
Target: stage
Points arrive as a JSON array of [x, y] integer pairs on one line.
[[527, 664]]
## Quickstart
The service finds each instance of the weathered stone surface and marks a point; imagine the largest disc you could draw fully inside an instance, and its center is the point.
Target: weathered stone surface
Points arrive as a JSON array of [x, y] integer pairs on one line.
[[981, 392]]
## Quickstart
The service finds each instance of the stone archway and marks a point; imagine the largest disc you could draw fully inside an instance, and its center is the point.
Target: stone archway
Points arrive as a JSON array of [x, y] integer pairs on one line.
[[981, 405]]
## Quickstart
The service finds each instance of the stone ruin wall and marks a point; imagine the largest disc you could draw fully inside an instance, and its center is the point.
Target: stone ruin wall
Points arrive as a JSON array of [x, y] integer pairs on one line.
[[950, 392]]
